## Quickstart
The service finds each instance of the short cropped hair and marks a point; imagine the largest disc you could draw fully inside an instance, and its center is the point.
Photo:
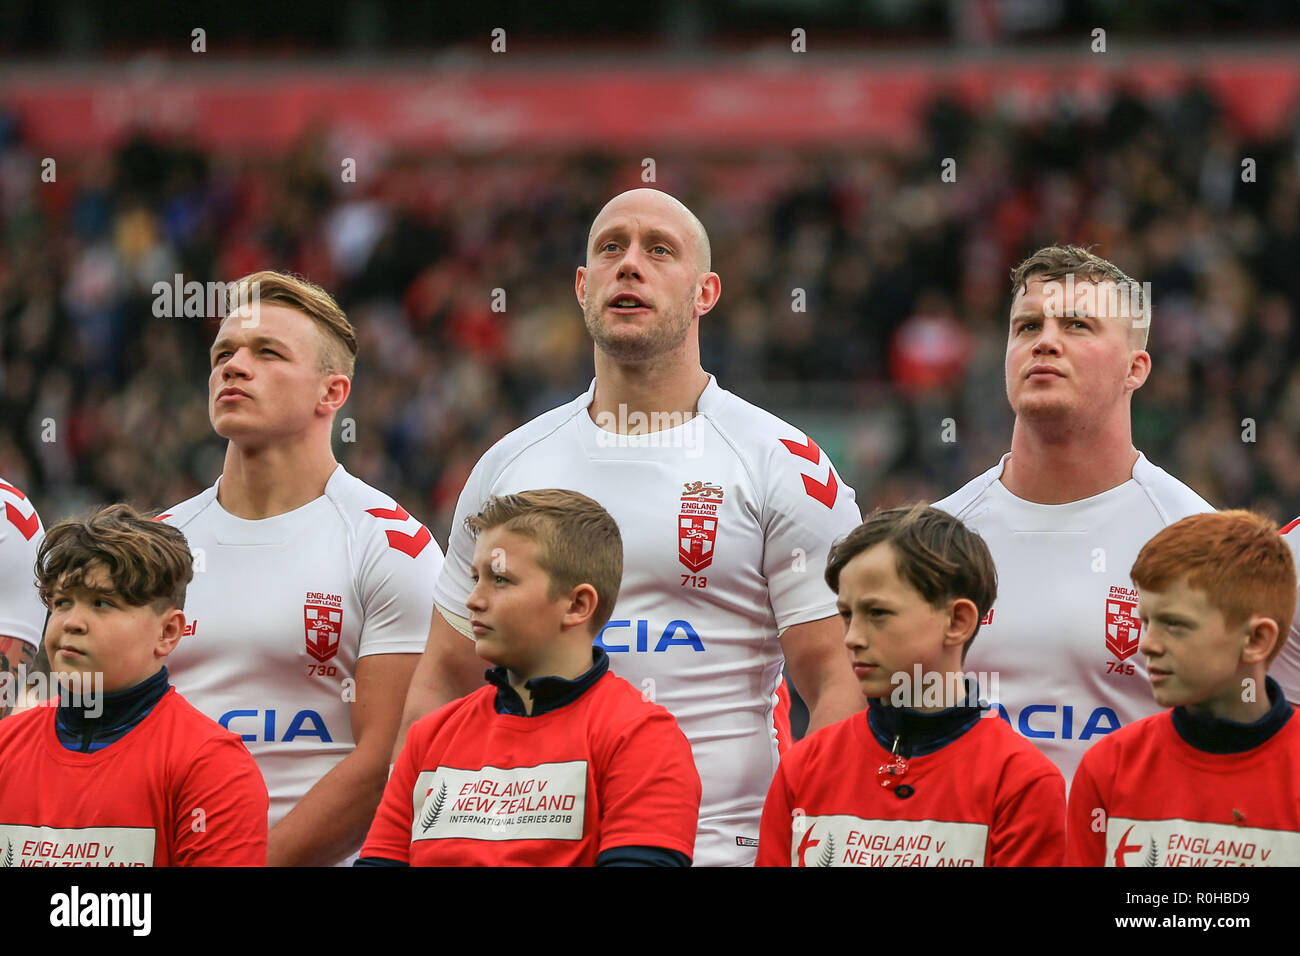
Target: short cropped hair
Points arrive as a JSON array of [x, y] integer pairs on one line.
[[1056, 262], [148, 562], [578, 541], [941, 558], [1236, 558], [338, 353]]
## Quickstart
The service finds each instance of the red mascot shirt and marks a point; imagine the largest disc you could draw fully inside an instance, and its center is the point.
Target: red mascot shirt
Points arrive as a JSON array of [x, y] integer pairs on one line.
[[474, 787], [1144, 796], [177, 790], [987, 798]]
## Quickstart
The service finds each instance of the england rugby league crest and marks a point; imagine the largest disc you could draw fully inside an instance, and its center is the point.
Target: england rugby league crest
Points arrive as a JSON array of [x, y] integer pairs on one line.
[[697, 524], [1123, 626], [324, 628]]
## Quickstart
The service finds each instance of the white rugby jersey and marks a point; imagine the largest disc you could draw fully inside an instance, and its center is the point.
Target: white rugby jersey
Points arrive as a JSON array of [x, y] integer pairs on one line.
[[280, 610], [22, 615], [1059, 650], [726, 521], [1285, 668]]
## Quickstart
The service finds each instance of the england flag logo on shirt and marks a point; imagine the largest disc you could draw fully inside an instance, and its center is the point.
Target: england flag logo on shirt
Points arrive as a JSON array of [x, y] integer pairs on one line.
[[697, 524], [324, 626], [1123, 626]]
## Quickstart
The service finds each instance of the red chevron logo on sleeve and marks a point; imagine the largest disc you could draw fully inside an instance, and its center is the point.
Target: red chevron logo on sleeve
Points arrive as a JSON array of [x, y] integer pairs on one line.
[[12, 490], [408, 544], [26, 526], [826, 491]]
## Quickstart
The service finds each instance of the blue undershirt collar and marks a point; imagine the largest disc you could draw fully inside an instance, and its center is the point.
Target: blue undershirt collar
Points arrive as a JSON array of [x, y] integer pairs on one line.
[[1217, 735], [549, 693]]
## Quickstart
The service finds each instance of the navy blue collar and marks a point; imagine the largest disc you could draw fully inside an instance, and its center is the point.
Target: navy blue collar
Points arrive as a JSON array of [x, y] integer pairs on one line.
[[549, 693], [79, 730], [1216, 735], [917, 733]]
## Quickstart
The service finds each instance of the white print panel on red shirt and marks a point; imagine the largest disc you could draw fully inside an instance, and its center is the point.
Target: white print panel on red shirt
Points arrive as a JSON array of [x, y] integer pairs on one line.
[[280, 611], [80, 846], [726, 520], [1060, 652]]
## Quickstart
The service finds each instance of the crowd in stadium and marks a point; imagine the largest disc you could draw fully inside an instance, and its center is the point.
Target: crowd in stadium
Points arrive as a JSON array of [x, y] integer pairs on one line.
[[904, 281]]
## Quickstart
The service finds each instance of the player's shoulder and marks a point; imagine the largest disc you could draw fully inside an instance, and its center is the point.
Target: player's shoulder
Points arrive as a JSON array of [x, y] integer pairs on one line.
[[180, 515], [1171, 499], [374, 516], [754, 433], [961, 502], [18, 510], [531, 434]]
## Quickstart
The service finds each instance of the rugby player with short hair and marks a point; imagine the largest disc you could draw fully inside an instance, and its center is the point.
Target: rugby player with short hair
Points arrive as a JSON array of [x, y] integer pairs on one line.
[[726, 513], [1067, 509], [312, 591]]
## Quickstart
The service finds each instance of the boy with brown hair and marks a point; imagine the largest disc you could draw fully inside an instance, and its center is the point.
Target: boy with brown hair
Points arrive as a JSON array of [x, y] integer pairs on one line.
[[1215, 780], [558, 762], [123, 772], [920, 779]]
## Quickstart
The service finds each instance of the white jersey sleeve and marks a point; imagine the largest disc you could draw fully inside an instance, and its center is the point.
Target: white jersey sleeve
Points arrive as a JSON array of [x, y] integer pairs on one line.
[[1285, 668], [807, 510], [22, 615]]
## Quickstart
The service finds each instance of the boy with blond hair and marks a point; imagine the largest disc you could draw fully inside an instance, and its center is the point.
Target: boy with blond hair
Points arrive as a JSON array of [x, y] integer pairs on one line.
[[1214, 781], [557, 762], [123, 771]]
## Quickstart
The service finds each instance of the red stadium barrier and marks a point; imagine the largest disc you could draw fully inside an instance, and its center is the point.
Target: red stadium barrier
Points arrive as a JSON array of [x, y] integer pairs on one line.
[[588, 107]]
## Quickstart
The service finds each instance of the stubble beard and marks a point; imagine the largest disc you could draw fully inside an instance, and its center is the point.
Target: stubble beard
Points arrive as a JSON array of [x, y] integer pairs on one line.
[[651, 342]]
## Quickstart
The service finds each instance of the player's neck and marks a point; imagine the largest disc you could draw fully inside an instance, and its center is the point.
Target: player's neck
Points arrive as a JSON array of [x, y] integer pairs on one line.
[[1054, 466], [663, 388], [275, 479]]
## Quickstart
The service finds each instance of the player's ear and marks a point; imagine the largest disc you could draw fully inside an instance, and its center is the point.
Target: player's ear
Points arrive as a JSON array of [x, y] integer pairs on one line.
[[709, 293], [1139, 367], [963, 615], [580, 287], [173, 626], [582, 605], [335, 392], [1261, 637]]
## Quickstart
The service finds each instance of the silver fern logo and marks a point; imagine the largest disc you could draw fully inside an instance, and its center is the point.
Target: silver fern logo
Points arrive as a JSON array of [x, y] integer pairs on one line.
[[1152, 858], [8, 859], [435, 810], [827, 856]]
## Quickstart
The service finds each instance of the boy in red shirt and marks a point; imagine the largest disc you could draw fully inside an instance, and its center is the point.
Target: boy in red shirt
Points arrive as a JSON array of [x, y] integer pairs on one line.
[[122, 772], [920, 779], [1216, 780], [558, 762]]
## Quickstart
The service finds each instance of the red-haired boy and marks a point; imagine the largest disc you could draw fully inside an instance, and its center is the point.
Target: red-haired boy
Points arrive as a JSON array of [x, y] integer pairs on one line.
[[1215, 780]]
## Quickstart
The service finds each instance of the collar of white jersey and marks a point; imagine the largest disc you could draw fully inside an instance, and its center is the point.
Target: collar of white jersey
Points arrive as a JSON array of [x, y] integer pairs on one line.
[[1061, 517], [231, 529], [614, 442]]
